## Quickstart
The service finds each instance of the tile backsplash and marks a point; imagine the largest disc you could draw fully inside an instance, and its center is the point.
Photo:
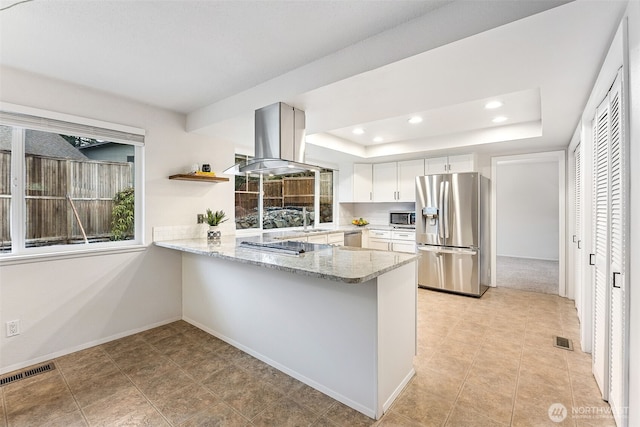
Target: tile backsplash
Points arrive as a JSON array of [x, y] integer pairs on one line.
[[375, 213], [179, 232]]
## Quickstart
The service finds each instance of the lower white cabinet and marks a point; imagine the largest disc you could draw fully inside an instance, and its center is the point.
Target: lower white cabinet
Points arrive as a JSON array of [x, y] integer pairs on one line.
[[392, 240], [336, 239], [317, 238], [403, 241]]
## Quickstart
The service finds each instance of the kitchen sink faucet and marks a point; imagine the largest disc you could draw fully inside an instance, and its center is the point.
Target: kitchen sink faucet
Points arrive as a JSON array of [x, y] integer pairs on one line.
[[304, 218]]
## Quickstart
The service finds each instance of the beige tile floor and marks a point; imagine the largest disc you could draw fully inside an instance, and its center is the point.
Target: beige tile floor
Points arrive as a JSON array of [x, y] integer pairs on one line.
[[480, 362]]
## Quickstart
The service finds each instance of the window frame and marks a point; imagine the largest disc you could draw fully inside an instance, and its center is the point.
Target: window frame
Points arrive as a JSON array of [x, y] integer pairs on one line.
[[316, 204], [85, 128]]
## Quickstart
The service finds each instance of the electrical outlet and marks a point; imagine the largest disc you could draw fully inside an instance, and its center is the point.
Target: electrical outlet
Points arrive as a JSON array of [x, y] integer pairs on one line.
[[13, 328]]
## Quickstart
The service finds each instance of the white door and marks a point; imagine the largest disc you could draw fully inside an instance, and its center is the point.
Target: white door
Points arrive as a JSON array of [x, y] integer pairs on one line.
[[618, 225], [600, 355], [407, 172], [577, 231], [385, 182]]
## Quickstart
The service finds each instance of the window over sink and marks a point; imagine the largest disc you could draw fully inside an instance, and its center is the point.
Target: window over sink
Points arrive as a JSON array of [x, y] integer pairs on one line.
[[271, 202]]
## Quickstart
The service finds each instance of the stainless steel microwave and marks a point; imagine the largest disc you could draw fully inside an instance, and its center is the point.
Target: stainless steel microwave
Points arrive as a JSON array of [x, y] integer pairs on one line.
[[402, 219]]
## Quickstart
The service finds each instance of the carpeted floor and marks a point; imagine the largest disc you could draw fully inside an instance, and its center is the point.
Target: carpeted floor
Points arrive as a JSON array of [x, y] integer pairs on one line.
[[527, 274]]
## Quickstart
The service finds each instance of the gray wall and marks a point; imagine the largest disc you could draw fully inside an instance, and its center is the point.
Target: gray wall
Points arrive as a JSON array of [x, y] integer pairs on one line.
[[527, 209]]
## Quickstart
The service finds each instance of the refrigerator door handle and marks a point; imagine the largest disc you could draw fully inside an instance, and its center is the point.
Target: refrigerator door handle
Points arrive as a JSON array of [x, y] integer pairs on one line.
[[442, 212], [445, 208], [444, 250]]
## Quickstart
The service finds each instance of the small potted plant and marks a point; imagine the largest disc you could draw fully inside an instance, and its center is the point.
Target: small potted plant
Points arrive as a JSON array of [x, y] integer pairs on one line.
[[214, 219]]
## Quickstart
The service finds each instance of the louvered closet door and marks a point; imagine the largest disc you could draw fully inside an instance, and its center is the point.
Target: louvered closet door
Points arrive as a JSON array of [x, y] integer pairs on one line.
[[600, 355], [577, 209], [618, 265]]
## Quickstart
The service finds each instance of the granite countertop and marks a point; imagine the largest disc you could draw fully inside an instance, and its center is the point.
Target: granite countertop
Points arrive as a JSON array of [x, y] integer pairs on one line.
[[336, 263]]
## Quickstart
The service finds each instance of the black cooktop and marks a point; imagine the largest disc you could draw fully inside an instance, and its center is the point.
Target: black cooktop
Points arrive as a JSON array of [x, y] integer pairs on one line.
[[287, 247]]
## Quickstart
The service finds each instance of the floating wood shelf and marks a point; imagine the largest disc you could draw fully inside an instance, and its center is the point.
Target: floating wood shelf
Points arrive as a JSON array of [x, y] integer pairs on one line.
[[190, 177]]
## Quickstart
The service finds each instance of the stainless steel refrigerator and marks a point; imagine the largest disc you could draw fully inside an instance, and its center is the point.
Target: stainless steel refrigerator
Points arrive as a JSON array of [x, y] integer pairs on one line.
[[452, 232]]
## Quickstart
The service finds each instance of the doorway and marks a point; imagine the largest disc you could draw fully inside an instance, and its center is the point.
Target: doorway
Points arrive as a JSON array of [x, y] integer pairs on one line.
[[528, 222]]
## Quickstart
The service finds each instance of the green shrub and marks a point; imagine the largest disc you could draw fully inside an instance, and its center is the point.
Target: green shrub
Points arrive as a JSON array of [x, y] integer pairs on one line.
[[122, 218]]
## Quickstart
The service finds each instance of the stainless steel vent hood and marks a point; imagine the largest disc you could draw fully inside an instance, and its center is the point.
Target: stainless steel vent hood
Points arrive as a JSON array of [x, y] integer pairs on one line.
[[279, 142]]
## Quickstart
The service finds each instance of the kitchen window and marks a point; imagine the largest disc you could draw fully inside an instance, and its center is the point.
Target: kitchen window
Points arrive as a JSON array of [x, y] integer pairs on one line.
[[270, 202], [67, 185]]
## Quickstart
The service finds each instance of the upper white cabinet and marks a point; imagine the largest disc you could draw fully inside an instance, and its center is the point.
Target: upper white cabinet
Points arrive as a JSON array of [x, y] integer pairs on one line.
[[451, 164], [362, 182], [395, 181], [407, 172], [385, 182]]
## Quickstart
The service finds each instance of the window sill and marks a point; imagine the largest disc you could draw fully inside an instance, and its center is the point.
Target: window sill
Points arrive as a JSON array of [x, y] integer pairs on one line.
[[6, 260]]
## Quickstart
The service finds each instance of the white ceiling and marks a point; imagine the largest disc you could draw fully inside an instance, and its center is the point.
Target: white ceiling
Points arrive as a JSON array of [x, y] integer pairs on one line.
[[346, 63]]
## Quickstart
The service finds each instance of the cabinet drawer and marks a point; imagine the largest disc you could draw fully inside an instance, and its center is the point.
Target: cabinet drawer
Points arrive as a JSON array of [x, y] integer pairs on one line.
[[335, 239], [379, 234], [403, 235], [317, 239]]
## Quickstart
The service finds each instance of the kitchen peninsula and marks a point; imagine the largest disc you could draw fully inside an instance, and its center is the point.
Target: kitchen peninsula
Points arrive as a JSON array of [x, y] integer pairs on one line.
[[342, 320]]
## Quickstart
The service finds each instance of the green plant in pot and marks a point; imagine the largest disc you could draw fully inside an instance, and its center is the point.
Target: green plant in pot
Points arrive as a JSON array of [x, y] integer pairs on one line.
[[214, 219]]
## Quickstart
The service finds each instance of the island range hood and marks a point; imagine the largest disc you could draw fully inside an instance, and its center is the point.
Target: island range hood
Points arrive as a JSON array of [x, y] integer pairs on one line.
[[279, 143]]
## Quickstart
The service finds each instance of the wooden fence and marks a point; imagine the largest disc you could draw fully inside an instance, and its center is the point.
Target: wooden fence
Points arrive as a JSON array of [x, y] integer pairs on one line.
[[91, 186], [285, 191]]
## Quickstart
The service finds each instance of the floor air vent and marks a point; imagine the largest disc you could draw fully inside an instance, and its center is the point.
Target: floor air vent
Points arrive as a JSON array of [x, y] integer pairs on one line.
[[563, 343], [27, 373]]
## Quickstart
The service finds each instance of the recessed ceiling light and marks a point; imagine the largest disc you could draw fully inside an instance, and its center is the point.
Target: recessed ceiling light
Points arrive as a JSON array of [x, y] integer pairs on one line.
[[492, 105], [378, 139], [358, 131], [415, 119], [499, 119]]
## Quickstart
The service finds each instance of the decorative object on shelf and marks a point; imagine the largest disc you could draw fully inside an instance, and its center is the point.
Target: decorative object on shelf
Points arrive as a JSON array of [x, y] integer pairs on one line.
[[199, 176], [206, 167], [214, 219], [360, 222]]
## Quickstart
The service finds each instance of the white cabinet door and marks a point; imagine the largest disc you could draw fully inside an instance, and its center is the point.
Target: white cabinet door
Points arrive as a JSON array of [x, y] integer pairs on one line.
[[335, 239], [379, 244], [362, 182], [451, 164], [435, 165], [385, 182], [402, 246], [407, 172], [461, 163]]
